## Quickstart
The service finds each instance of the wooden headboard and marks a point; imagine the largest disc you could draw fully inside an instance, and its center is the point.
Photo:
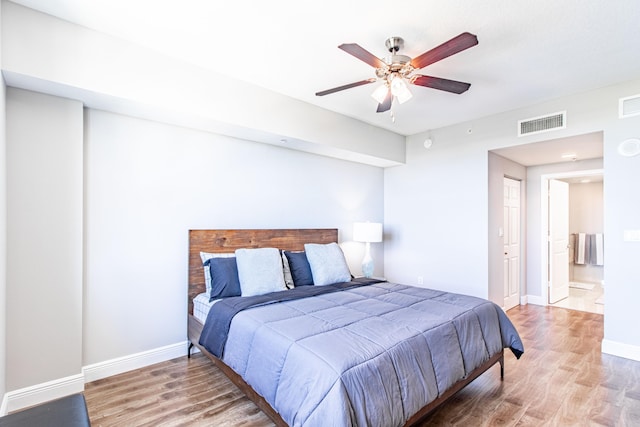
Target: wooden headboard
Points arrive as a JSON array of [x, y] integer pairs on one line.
[[221, 241]]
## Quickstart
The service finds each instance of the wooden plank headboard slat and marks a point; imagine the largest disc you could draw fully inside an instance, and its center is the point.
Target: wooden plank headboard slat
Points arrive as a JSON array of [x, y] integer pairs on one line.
[[224, 241]]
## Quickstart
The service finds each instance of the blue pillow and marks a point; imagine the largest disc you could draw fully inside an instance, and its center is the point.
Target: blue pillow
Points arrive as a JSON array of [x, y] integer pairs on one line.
[[224, 278], [300, 268]]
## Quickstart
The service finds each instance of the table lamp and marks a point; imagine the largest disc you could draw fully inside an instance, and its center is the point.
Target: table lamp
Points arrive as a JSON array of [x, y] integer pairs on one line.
[[368, 232]]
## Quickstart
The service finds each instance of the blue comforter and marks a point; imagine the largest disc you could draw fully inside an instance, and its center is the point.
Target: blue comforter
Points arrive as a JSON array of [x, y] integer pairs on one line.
[[365, 355]]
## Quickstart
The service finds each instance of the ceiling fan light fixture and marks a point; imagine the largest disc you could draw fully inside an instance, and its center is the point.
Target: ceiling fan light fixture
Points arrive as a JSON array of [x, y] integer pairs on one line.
[[399, 89], [396, 71], [380, 93]]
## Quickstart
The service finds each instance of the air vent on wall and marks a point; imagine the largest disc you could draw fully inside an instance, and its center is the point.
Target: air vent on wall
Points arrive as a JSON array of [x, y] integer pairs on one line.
[[629, 106], [542, 124]]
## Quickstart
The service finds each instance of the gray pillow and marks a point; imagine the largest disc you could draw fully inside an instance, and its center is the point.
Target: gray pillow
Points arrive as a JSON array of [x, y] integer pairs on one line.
[[288, 278], [327, 263], [260, 271]]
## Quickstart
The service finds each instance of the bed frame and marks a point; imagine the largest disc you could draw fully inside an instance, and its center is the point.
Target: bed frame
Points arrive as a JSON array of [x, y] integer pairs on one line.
[[221, 241]]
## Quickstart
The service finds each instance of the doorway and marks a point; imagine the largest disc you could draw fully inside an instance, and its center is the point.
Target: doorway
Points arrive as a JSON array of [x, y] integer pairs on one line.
[[534, 163], [582, 271]]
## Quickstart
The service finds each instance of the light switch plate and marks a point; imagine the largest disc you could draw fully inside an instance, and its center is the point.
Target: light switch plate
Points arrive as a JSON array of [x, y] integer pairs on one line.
[[632, 235]]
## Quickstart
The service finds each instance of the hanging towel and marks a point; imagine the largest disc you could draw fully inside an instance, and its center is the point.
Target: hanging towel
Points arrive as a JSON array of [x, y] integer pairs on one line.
[[596, 253], [580, 251]]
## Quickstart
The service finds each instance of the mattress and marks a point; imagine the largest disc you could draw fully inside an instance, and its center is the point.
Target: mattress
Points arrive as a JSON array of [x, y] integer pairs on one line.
[[201, 306]]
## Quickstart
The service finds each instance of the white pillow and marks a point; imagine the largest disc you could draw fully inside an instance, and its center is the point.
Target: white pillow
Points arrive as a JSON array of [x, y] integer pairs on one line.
[[327, 263], [204, 256], [260, 271]]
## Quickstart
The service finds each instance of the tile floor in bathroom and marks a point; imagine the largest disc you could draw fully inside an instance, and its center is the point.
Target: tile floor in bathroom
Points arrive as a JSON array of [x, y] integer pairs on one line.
[[590, 300]]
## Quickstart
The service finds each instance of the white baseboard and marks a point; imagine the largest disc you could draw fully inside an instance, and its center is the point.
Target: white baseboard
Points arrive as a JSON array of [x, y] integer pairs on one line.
[[536, 300], [44, 392], [133, 361], [621, 350], [3, 406], [524, 300], [40, 393]]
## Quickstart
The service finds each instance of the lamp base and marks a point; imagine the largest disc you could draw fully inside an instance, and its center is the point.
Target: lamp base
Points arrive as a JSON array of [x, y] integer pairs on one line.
[[367, 262], [367, 269]]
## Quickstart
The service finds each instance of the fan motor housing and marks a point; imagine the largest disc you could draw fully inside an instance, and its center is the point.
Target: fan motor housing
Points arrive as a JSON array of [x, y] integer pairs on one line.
[[394, 44], [394, 61]]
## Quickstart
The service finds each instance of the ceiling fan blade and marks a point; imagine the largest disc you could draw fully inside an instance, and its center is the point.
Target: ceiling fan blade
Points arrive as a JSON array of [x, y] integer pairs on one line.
[[362, 54], [446, 49], [349, 86], [441, 84], [386, 104]]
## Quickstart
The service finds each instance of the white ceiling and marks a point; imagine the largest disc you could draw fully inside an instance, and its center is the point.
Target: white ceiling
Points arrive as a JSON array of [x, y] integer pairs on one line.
[[528, 51], [569, 149]]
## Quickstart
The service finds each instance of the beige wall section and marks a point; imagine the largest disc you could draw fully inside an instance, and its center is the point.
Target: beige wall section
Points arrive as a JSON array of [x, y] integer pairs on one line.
[[44, 238], [586, 210]]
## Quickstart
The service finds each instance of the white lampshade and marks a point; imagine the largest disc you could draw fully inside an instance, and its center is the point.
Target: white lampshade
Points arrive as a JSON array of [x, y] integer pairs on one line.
[[367, 232]]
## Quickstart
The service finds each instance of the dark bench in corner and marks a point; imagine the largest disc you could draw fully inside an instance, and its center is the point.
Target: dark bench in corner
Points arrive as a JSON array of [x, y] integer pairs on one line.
[[70, 411]]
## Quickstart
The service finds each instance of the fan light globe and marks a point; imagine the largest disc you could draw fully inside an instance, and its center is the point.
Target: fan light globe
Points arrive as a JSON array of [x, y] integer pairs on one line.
[[380, 94], [399, 89]]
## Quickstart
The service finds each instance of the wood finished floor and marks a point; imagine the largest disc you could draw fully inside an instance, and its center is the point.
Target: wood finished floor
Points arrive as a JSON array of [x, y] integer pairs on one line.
[[561, 380]]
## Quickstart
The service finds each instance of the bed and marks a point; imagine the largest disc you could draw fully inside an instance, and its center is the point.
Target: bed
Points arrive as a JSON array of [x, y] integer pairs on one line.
[[323, 355]]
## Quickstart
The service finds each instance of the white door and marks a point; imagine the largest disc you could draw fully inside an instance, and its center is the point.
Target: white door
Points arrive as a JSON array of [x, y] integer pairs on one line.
[[558, 240], [511, 231]]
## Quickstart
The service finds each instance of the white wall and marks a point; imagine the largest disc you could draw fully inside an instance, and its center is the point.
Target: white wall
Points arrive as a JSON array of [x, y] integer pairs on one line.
[[436, 213], [145, 184], [436, 205], [148, 183], [3, 238], [622, 212], [44, 239]]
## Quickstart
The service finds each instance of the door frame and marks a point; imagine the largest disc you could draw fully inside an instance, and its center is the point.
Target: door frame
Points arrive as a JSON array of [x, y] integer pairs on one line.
[[544, 222]]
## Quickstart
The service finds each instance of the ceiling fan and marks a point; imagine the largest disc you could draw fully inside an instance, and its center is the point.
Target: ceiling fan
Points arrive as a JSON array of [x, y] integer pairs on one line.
[[396, 70]]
